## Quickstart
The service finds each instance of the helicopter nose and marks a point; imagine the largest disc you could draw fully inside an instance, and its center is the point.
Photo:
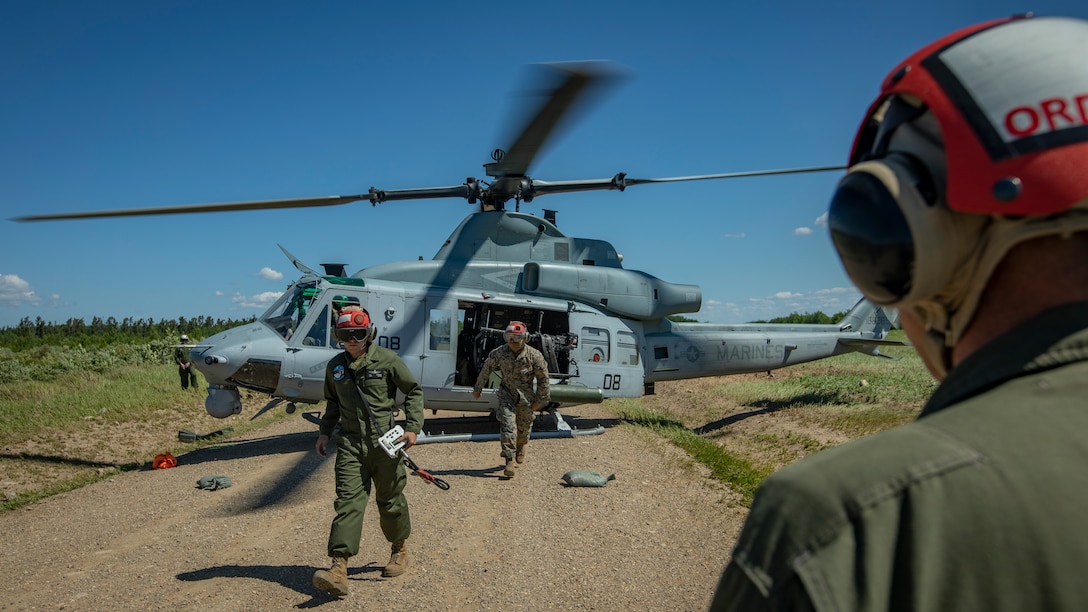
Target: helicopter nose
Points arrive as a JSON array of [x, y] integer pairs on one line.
[[250, 356]]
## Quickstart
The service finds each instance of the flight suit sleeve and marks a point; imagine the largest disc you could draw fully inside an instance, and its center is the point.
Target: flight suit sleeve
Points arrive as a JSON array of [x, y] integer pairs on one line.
[[737, 592], [331, 417]]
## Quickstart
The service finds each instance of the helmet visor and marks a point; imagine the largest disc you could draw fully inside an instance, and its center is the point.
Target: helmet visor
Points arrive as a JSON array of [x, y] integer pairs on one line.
[[513, 337], [872, 238], [352, 334]]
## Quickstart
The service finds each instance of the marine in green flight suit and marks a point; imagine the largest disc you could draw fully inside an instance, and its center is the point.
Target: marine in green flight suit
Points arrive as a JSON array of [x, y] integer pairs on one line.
[[838, 530], [376, 373], [973, 224]]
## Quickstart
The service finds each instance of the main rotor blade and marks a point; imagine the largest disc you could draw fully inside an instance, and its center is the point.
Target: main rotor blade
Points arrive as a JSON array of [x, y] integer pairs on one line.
[[199, 208], [621, 181], [572, 81], [374, 196], [727, 175]]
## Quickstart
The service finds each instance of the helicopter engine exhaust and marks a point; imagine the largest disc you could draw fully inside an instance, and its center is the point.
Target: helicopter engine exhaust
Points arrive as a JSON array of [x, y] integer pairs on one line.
[[628, 293]]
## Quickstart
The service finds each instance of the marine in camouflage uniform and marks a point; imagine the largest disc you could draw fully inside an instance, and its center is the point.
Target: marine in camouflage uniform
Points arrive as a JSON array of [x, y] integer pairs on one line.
[[519, 365]]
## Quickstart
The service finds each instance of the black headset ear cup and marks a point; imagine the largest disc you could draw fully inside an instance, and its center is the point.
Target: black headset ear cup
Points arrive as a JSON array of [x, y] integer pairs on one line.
[[870, 232], [916, 174]]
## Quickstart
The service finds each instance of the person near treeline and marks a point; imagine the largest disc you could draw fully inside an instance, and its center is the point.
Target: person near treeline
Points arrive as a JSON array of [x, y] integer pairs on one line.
[[185, 368]]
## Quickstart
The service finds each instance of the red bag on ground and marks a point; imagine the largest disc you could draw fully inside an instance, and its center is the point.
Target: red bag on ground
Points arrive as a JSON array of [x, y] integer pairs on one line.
[[163, 461]]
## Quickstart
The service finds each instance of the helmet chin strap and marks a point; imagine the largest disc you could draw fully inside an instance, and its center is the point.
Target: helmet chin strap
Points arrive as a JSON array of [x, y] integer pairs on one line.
[[948, 314], [934, 346]]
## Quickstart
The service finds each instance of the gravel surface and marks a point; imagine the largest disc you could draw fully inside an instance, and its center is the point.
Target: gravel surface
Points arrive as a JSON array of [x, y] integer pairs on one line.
[[656, 538]]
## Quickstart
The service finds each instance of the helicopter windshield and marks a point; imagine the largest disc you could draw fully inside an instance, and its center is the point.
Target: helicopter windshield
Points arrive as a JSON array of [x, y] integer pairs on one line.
[[285, 315]]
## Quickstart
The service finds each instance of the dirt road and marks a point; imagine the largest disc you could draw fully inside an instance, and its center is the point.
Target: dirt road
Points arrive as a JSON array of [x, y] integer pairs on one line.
[[656, 538]]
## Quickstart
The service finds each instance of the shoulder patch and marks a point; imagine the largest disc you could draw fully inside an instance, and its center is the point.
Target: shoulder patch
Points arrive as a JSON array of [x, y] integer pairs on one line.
[[338, 373]]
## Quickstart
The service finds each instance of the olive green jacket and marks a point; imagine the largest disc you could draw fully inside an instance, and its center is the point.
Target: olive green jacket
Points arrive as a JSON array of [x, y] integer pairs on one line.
[[980, 504], [380, 373], [519, 371]]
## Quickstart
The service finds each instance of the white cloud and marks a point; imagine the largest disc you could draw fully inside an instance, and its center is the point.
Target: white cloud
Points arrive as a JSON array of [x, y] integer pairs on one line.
[[740, 235], [802, 231], [270, 274], [786, 295], [821, 221], [836, 291], [15, 291], [261, 300], [219, 293]]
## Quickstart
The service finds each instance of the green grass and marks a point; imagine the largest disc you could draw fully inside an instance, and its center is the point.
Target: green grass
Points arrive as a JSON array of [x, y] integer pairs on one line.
[[64, 486], [738, 472], [851, 394], [129, 393], [827, 394], [48, 412]]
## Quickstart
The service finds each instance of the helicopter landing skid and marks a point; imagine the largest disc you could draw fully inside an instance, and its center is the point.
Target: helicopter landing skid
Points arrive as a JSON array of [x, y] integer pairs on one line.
[[560, 424], [562, 430]]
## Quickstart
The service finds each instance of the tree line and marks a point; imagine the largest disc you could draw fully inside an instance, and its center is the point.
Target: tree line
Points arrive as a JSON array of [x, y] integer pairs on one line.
[[818, 317], [101, 332], [795, 318]]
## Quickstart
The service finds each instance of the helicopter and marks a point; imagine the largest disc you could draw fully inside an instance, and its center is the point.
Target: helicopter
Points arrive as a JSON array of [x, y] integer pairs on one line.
[[604, 330]]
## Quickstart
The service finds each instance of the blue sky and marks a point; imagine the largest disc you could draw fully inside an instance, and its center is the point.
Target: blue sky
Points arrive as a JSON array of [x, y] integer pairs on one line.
[[122, 104]]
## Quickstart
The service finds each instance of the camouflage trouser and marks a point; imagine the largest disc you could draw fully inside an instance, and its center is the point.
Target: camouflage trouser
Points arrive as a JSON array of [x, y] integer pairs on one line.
[[515, 424], [359, 464]]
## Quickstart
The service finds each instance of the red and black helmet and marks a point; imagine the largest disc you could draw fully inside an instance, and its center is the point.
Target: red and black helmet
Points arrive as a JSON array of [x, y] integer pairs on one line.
[[354, 324], [1011, 99], [515, 332], [991, 121]]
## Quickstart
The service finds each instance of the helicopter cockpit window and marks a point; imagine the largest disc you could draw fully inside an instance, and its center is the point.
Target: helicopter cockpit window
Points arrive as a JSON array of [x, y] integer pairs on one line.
[[288, 311], [440, 330], [319, 331], [594, 345]]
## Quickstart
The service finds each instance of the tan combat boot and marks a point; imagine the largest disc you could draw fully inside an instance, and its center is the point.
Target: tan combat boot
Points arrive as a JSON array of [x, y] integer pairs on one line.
[[398, 560], [509, 471], [520, 455], [334, 580]]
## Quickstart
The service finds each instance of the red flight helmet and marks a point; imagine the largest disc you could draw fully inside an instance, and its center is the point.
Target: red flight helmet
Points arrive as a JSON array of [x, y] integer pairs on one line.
[[989, 121], [354, 323], [515, 331], [1011, 99]]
